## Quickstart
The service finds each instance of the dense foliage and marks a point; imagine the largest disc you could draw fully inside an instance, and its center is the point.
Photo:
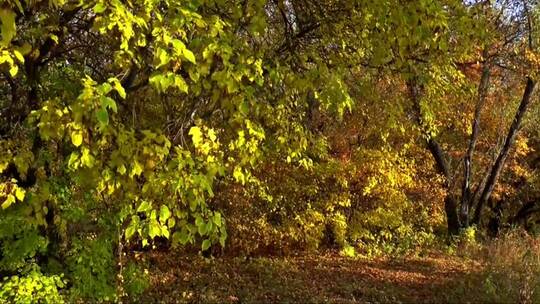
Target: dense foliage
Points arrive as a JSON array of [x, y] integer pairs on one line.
[[252, 127]]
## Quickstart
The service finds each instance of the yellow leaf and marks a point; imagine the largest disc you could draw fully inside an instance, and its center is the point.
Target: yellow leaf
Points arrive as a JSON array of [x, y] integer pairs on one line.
[[76, 138], [10, 199], [13, 70], [19, 193]]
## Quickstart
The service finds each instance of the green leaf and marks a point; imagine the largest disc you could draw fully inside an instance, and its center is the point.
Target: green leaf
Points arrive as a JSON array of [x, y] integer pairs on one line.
[[87, 159], [205, 245], [107, 102], [7, 27], [137, 169], [73, 160], [201, 229], [165, 232], [144, 207], [102, 116], [99, 8], [222, 239], [181, 237], [188, 55], [130, 231], [217, 219], [164, 213], [180, 83], [154, 229], [54, 38]]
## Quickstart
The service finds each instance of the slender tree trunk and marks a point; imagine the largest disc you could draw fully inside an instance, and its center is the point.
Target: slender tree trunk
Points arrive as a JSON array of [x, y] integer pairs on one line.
[[441, 162], [503, 154], [466, 198]]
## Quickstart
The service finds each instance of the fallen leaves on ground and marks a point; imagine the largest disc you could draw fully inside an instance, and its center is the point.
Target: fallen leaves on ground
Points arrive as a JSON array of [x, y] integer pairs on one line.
[[324, 278]]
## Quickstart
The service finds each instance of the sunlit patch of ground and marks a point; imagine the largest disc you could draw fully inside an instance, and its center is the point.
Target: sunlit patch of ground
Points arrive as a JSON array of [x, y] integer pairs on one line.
[[327, 278]]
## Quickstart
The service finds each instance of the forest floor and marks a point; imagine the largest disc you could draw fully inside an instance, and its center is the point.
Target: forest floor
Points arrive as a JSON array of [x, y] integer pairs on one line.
[[325, 278]]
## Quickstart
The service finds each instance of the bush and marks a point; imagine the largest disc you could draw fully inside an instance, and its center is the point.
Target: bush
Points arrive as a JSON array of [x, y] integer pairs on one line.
[[32, 287], [136, 280], [513, 268], [509, 271]]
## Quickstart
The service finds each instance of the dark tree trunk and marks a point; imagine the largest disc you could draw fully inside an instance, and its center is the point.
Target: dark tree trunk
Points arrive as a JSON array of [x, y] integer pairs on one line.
[[503, 154], [450, 207], [466, 197], [441, 162]]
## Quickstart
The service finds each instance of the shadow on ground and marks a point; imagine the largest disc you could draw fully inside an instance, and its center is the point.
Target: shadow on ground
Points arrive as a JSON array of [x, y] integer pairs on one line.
[[305, 279]]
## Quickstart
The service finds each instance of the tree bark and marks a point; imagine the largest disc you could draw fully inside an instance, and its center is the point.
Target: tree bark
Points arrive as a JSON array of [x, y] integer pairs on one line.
[[441, 162], [466, 199], [503, 154]]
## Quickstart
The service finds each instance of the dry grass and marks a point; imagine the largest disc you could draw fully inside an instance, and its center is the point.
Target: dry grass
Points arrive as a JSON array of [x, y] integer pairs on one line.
[[512, 269]]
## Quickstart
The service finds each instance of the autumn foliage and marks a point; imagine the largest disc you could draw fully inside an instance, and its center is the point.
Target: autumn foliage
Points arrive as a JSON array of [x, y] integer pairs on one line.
[[258, 128]]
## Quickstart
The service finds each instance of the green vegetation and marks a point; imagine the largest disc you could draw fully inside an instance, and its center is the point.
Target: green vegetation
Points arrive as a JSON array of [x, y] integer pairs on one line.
[[279, 137]]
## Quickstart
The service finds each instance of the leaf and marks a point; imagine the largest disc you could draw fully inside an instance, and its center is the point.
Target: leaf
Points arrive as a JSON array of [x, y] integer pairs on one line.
[[107, 102], [73, 160], [165, 232], [137, 169], [7, 28], [144, 207], [20, 193], [205, 245], [76, 138], [154, 229], [130, 231], [19, 56], [87, 159], [54, 38], [163, 57], [10, 199], [180, 83], [188, 55], [181, 237], [118, 87], [222, 239], [121, 169], [13, 70], [102, 116], [217, 219], [196, 135], [99, 8], [164, 213], [201, 229]]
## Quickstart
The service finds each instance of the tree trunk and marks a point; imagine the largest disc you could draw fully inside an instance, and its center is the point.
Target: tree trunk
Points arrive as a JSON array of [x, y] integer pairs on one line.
[[450, 208], [441, 162], [503, 154], [466, 198]]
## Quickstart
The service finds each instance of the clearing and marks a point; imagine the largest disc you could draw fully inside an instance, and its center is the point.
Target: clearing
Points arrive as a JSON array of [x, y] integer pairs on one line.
[[327, 278]]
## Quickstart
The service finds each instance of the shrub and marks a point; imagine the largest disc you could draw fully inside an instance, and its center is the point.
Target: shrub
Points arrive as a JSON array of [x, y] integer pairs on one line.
[[32, 287], [513, 268]]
